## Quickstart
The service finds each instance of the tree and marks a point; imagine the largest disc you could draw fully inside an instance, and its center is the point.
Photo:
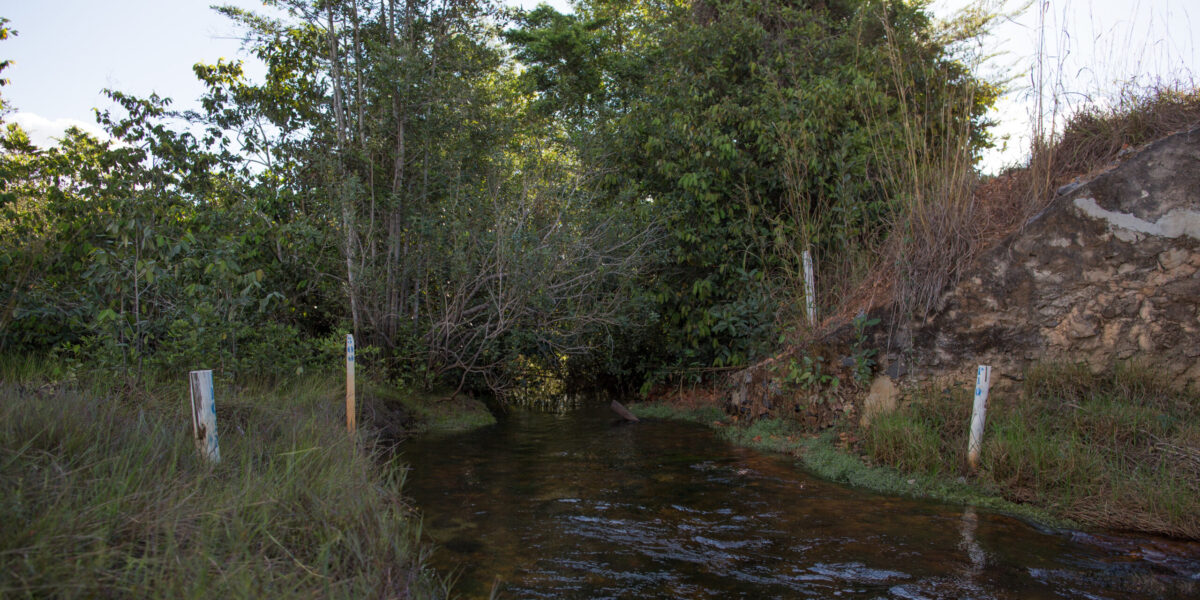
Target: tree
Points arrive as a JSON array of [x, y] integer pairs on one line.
[[5, 31], [457, 228], [742, 125]]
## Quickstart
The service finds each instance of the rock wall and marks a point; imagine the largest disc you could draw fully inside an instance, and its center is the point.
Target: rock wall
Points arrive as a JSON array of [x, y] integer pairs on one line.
[[1109, 271]]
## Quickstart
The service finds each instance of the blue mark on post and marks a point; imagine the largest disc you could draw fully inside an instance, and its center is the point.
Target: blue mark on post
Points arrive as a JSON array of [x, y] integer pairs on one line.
[[349, 348]]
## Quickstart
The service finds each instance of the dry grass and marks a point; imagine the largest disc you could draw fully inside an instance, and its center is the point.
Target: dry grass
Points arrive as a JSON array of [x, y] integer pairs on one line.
[[1094, 136]]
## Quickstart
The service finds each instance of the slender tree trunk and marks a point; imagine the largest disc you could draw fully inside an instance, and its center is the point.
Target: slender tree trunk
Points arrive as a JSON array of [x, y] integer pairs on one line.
[[339, 111], [396, 282], [346, 198], [358, 65]]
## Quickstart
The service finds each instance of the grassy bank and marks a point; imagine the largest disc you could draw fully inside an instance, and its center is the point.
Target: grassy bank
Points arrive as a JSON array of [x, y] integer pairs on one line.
[[1118, 450], [1115, 450], [105, 495], [425, 412], [828, 455]]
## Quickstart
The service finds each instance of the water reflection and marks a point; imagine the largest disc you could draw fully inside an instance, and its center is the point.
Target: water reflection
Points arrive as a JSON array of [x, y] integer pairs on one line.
[[577, 505]]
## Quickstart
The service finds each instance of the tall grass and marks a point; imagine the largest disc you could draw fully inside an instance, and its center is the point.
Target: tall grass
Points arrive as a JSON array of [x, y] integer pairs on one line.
[[107, 497], [1118, 449], [930, 175]]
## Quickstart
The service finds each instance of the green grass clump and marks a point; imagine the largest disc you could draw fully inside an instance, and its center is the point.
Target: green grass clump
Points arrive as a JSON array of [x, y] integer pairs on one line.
[[1116, 449], [658, 410], [106, 496], [435, 411]]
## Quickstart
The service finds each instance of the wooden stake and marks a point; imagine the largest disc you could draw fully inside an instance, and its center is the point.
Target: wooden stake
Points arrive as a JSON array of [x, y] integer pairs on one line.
[[351, 425], [810, 289], [983, 380], [204, 414]]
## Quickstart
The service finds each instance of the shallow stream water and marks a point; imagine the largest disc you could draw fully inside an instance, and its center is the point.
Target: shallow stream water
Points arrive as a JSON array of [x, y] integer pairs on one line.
[[579, 505]]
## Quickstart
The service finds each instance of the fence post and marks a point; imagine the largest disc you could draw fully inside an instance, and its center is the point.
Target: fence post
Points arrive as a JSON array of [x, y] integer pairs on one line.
[[810, 289], [204, 414], [983, 380], [351, 425]]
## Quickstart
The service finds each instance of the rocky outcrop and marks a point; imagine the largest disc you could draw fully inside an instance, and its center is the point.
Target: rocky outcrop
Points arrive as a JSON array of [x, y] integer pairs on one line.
[[1109, 271]]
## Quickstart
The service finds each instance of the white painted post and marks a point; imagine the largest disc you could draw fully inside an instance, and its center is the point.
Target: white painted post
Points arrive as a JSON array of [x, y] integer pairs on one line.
[[810, 289], [204, 414], [350, 412], [983, 380]]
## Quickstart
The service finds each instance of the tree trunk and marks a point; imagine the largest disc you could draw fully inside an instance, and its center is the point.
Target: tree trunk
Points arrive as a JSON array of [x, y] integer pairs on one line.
[[347, 200]]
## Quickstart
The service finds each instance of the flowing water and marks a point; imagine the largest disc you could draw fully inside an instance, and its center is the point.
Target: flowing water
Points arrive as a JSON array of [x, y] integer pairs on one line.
[[578, 505]]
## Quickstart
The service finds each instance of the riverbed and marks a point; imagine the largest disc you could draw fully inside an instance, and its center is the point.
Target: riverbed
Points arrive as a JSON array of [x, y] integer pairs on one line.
[[581, 505]]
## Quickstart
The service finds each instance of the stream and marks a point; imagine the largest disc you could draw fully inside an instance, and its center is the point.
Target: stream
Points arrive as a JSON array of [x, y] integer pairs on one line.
[[580, 505]]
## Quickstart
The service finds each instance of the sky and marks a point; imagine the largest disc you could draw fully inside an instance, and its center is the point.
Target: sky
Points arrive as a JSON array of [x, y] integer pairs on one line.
[[67, 51]]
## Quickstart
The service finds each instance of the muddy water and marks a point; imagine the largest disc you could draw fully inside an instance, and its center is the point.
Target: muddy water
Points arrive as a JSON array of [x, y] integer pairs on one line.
[[580, 506]]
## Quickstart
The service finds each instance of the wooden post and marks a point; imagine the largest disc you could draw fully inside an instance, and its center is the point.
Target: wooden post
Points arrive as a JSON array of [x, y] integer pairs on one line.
[[983, 380], [810, 289], [351, 425], [204, 414]]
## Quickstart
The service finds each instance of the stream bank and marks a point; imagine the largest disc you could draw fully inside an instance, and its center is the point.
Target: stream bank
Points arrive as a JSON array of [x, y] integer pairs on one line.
[[1069, 447], [829, 455]]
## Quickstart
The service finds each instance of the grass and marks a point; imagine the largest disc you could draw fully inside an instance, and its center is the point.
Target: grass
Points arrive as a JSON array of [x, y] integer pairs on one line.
[[828, 456], [1096, 134], [106, 496], [1117, 449], [432, 411]]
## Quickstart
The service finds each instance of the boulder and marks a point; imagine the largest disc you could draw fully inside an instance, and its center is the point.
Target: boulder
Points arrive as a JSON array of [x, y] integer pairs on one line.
[[881, 399]]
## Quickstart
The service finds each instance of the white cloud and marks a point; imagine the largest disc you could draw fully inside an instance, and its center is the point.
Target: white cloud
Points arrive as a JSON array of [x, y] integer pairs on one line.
[[46, 132]]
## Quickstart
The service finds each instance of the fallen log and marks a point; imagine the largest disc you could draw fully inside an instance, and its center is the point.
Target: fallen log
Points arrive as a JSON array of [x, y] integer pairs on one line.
[[624, 412]]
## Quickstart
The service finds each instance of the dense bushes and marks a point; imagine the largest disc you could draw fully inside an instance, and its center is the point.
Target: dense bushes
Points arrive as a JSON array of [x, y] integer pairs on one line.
[[636, 201], [752, 131]]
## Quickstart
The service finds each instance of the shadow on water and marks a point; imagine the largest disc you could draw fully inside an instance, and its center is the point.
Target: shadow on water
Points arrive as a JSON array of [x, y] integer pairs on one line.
[[577, 504]]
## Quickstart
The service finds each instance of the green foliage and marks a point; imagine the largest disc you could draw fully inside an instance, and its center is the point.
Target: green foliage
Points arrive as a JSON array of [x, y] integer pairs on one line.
[[566, 55], [810, 372], [5, 31], [739, 125], [636, 199], [863, 357]]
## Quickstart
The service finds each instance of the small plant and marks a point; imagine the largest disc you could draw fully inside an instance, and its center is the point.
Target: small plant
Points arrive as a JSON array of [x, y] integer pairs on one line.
[[809, 372], [864, 358]]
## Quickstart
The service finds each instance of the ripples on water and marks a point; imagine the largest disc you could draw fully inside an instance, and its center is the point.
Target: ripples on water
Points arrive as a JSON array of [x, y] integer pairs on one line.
[[576, 505]]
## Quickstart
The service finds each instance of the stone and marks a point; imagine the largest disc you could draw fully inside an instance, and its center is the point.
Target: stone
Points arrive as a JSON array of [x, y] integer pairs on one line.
[[1082, 326], [1126, 286], [881, 399], [1173, 259]]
